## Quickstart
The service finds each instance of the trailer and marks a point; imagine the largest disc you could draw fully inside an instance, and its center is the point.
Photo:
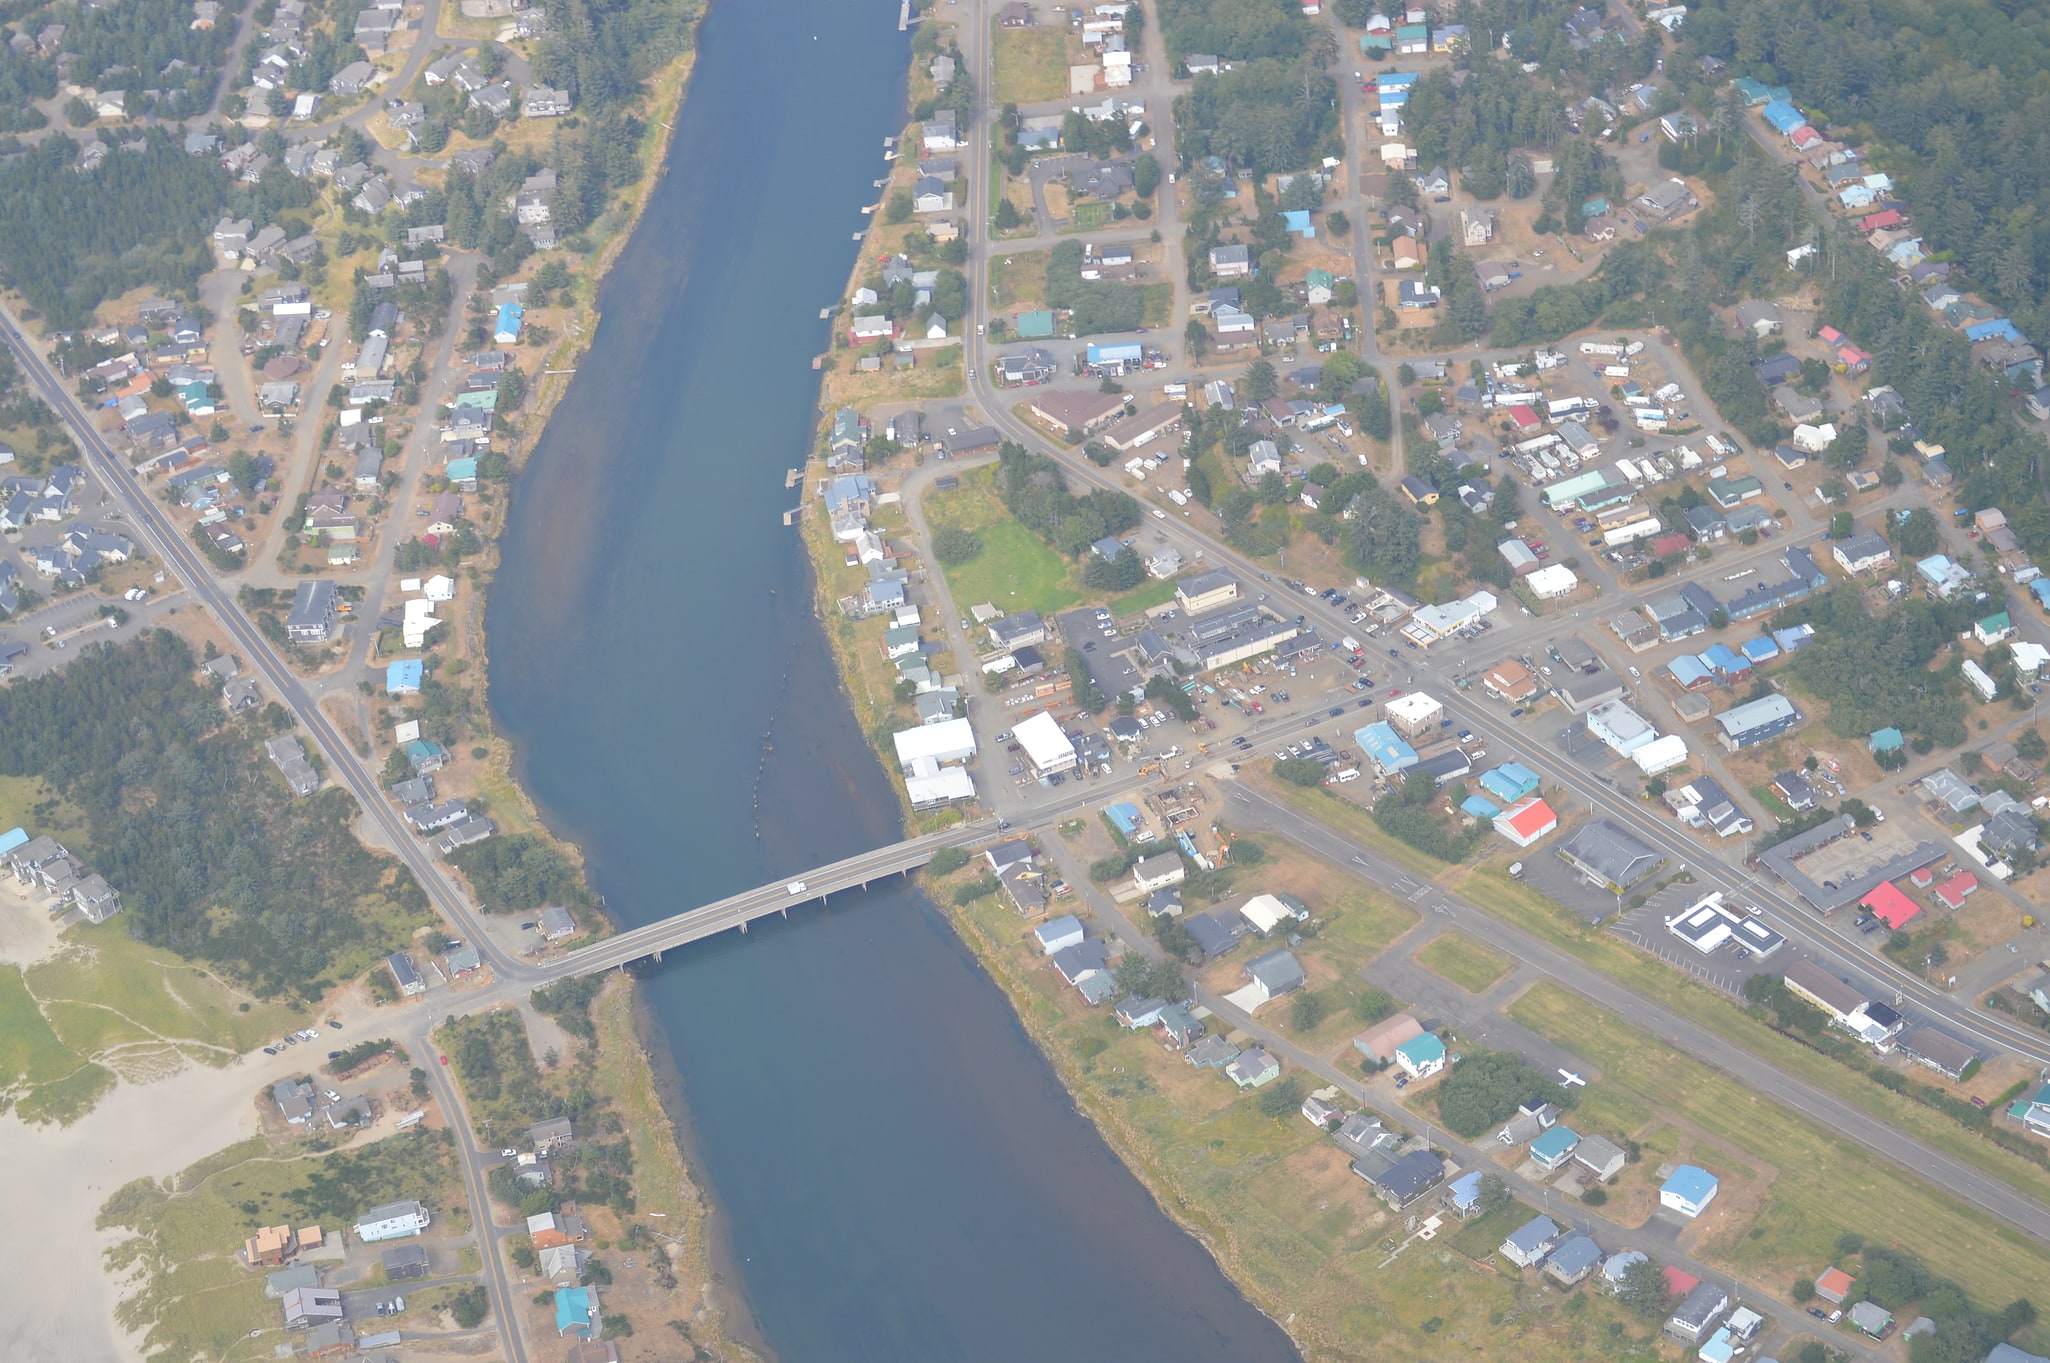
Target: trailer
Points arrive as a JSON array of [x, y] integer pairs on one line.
[[1640, 529], [1601, 348]]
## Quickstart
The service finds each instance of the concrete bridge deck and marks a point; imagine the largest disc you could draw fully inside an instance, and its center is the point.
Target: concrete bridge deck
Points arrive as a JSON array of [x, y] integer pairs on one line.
[[737, 911]]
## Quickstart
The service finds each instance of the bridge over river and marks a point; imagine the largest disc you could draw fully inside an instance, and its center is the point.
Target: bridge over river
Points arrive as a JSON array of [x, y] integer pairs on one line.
[[737, 911]]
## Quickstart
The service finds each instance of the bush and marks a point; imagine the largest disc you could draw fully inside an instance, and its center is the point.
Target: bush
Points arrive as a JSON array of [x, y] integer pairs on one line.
[[1595, 1197], [953, 546], [964, 895], [947, 860], [1281, 1097], [1307, 1011], [468, 1305], [1299, 771], [1486, 1088]]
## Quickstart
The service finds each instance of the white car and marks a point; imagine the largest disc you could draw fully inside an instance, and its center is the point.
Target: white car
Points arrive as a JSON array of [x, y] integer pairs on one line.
[[1158, 514]]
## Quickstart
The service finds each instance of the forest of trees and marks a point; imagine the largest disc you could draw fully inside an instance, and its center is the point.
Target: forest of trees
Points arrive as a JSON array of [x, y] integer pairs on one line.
[[188, 820], [1235, 30], [1947, 99], [1265, 116], [68, 240]]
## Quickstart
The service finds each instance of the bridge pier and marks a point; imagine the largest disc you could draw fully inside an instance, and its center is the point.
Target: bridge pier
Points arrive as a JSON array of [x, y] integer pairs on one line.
[[743, 927]]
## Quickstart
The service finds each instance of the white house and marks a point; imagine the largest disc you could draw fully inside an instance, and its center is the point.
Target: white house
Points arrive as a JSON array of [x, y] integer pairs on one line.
[[393, 1221], [1158, 872], [1689, 1190], [1059, 934]]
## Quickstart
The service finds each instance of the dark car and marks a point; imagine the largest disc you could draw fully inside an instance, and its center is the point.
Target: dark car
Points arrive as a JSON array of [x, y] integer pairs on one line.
[[1336, 711], [1366, 701], [1517, 711]]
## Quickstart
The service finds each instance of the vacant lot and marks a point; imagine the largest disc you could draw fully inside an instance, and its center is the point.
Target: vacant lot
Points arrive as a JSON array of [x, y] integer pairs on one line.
[[1470, 964], [935, 374], [1032, 65], [1015, 570], [1826, 1186], [1018, 281]]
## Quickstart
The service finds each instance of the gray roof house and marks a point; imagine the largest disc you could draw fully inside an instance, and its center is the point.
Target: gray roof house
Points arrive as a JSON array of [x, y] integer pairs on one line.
[[1528, 1245], [1695, 1318], [1573, 1260], [1276, 973]]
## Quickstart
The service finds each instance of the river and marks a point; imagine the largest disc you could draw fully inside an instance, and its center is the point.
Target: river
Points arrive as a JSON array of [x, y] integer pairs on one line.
[[899, 1173]]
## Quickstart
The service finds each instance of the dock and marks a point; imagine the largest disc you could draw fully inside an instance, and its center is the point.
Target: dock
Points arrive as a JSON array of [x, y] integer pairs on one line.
[[904, 19], [791, 477], [825, 314]]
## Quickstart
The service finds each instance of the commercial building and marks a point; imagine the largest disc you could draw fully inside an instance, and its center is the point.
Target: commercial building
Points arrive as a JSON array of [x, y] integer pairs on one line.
[[1526, 821], [1759, 721], [1709, 923], [1609, 857], [1049, 750], [1201, 593]]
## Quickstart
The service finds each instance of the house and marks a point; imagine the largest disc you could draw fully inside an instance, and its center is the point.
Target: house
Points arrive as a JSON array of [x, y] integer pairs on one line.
[[576, 1312], [1528, 1245], [1759, 721], [1477, 226], [404, 975], [1833, 1286], [551, 1135], [1403, 1180], [312, 619], [392, 1221], [1793, 787], [1694, 1320], [1573, 1260], [1600, 1156], [1945, 1054], [1273, 975], [1379, 1042], [1231, 262], [1253, 1068], [1060, 934], [404, 1263], [306, 1307], [1874, 1319], [1862, 552], [1421, 1056], [1688, 1191]]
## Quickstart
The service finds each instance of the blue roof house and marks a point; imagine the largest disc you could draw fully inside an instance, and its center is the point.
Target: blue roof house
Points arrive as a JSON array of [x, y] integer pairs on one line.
[[1689, 1190], [1555, 1147], [1463, 1194], [463, 472], [11, 839], [1509, 782], [1480, 807], [510, 316], [1298, 222], [1999, 329], [1783, 117], [1421, 1056], [402, 676], [1690, 671], [1885, 740], [576, 1312], [1759, 650]]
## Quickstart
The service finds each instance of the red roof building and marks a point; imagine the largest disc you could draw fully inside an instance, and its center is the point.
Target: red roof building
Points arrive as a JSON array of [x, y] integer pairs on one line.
[[1525, 418], [1891, 906], [1957, 889], [1884, 218], [1922, 878], [1524, 822], [1670, 544], [1833, 1286], [1679, 1282]]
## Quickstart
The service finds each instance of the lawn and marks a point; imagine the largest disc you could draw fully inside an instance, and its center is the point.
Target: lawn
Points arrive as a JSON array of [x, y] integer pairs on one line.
[[1015, 570], [30, 1052], [1823, 1187], [1032, 65], [1346, 817], [1278, 1204], [1470, 964]]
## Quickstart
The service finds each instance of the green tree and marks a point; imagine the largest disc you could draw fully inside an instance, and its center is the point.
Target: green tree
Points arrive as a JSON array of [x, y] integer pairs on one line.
[[1145, 174], [1336, 223], [1008, 219], [1306, 1011], [1259, 383], [1643, 1290], [1916, 535], [1196, 337]]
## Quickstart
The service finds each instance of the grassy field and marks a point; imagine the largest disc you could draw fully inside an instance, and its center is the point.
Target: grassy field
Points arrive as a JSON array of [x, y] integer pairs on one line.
[[938, 374], [1018, 280], [1015, 570], [190, 1297], [1158, 302], [160, 994], [1345, 817], [1491, 889], [1278, 1203], [1818, 1186], [1472, 965], [1032, 64], [1143, 598]]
